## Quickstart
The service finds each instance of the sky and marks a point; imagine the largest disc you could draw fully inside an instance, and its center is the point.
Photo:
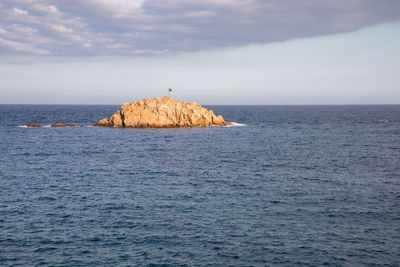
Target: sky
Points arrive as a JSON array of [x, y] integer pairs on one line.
[[208, 51]]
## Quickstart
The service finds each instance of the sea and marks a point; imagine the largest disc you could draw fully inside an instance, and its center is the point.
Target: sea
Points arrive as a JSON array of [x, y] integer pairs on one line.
[[283, 186]]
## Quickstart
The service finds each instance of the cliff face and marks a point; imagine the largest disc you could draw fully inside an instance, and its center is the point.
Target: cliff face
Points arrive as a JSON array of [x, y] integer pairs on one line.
[[162, 113]]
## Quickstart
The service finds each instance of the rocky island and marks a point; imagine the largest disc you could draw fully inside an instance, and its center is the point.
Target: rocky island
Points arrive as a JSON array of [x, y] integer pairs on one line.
[[36, 125], [162, 113]]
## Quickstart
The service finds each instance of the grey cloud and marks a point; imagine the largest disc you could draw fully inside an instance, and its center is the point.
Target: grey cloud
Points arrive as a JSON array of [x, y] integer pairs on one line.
[[123, 27]]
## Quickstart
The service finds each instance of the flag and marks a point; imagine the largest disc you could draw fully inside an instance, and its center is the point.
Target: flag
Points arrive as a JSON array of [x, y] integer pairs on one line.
[[170, 90]]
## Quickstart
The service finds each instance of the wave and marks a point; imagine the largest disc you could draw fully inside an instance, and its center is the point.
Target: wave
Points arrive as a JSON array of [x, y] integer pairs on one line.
[[48, 126], [235, 124], [43, 126]]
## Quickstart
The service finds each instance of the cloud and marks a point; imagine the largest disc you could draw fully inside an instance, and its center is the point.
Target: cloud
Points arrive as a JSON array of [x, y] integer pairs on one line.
[[16, 12], [61, 29], [21, 47], [125, 27]]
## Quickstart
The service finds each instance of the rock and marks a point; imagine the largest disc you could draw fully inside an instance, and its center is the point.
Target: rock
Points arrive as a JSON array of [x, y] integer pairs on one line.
[[62, 125], [53, 125], [162, 113], [33, 125]]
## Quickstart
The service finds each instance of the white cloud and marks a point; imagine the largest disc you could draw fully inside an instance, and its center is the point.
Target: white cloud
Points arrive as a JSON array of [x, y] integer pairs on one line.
[[61, 29], [2, 31], [51, 9], [21, 47], [70, 27], [16, 11], [116, 46], [199, 14]]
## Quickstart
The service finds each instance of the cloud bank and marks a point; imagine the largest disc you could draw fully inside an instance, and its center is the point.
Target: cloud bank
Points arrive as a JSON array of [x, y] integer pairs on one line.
[[125, 27]]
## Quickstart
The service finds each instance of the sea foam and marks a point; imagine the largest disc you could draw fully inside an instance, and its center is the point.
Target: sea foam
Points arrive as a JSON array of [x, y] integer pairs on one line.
[[235, 124]]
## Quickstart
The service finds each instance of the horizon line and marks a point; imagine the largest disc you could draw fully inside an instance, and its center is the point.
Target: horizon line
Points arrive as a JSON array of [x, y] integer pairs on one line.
[[322, 104]]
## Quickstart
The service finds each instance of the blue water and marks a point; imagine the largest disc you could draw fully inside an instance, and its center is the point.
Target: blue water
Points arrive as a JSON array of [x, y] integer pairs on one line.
[[299, 185]]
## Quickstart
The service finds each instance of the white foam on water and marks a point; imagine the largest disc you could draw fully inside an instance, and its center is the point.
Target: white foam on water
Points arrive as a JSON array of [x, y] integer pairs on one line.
[[46, 126], [25, 126], [235, 124]]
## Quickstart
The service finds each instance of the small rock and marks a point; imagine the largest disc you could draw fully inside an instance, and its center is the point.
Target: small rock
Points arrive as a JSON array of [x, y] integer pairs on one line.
[[33, 125], [62, 125]]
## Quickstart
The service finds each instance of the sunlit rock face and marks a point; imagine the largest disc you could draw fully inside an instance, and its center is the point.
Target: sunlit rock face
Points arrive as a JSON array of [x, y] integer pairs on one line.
[[162, 113], [35, 125]]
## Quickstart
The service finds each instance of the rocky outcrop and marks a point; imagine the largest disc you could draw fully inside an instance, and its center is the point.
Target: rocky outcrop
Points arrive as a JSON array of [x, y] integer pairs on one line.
[[162, 113], [53, 125], [62, 125], [36, 125]]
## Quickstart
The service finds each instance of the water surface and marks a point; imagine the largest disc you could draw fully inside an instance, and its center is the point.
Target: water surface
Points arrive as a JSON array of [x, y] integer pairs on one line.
[[299, 185]]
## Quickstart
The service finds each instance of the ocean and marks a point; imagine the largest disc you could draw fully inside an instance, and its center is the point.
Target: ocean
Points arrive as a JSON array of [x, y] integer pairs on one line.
[[286, 186]]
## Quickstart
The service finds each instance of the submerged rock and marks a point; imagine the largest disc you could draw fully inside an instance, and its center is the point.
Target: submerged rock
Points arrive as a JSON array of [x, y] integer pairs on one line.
[[62, 125], [162, 113], [33, 125]]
